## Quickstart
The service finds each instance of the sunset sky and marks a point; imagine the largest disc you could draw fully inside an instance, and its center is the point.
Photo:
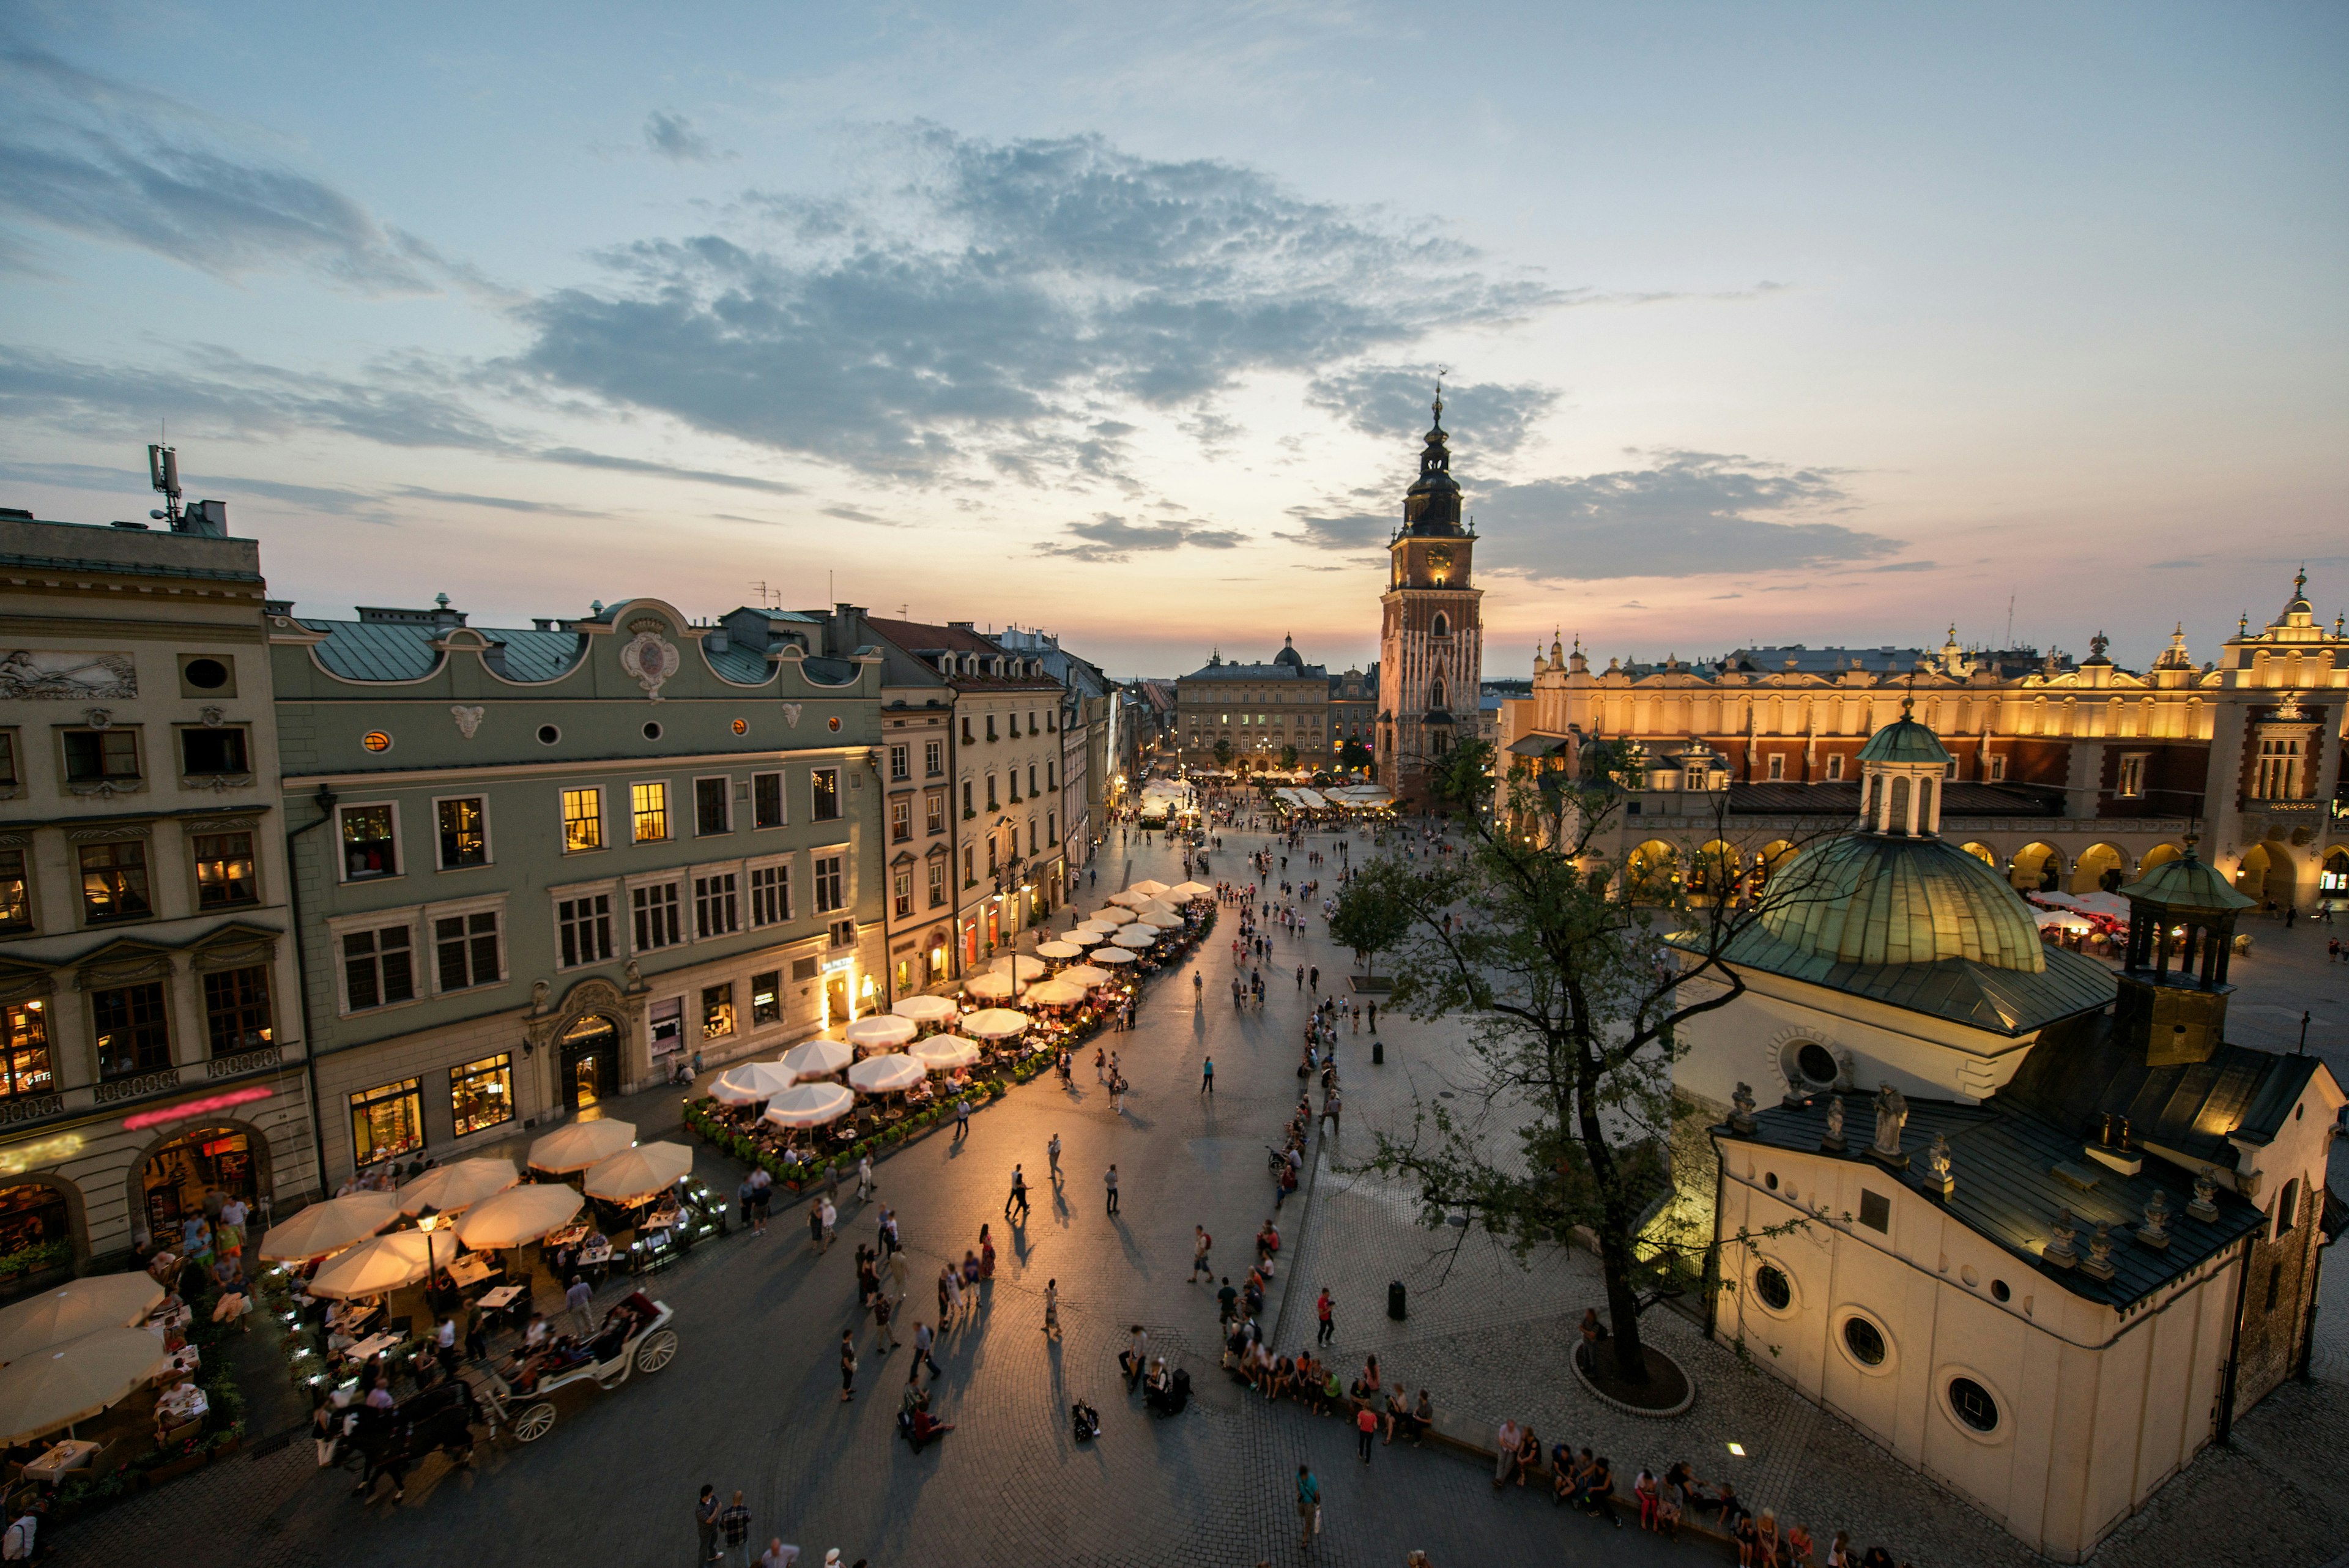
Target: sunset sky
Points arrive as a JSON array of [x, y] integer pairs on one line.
[[1763, 323]]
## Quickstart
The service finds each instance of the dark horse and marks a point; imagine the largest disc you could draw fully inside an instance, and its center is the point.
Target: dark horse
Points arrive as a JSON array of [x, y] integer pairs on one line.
[[440, 1417]]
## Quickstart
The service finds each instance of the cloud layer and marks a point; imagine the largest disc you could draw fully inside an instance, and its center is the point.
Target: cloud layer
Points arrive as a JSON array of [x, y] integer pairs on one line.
[[1109, 537], [1493, 419]]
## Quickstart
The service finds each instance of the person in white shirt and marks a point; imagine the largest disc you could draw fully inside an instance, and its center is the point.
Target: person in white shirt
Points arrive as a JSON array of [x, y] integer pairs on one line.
[[17, 1545]]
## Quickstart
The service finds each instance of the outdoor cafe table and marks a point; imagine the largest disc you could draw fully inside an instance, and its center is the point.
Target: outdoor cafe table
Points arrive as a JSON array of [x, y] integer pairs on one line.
[[69, 1454], [470, 1269], [499, 1298], [367, 1349]]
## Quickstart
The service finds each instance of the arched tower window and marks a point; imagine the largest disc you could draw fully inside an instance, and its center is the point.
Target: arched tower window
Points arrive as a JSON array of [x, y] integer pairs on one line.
[[1443, 627], [1435, 694], [1898, 820]]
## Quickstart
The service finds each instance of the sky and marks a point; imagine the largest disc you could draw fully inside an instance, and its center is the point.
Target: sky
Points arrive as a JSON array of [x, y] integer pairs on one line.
[[1759, 323]]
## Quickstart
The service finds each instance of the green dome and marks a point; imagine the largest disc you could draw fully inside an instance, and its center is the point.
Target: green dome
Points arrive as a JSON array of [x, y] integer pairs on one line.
[[1867, 899], [1905, 741], [2186, 884]]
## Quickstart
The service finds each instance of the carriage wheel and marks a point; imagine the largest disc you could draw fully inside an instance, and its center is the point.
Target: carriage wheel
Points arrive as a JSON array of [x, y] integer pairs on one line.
[[535, 1423], [656, 1351]]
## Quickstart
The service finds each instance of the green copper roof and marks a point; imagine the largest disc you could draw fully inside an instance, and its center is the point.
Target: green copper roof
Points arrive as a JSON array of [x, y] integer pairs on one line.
[[1904, 741], [2186, 884], [1869, 899]]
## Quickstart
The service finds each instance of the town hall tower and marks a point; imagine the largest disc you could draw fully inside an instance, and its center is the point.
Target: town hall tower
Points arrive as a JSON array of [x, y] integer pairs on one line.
[[1431, 636]]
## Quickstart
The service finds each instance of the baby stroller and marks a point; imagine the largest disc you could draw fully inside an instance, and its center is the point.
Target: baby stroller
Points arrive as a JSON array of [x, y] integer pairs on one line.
[[1084, 1422], [1176, 1397]]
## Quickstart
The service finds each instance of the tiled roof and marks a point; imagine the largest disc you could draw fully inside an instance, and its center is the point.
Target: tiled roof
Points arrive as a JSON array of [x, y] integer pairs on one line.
[[372, 650], [2192, 1107]]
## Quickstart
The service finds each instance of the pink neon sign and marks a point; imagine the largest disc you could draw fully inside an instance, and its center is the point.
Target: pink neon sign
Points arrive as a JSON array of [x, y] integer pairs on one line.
[[204, 1106]]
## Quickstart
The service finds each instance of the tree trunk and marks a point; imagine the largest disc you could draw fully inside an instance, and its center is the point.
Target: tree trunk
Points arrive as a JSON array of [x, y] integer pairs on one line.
[[1615, 1241]]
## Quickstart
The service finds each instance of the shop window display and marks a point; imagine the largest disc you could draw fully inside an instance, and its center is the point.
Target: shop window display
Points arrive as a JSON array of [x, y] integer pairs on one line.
[[35, 1229], [177, 1175]]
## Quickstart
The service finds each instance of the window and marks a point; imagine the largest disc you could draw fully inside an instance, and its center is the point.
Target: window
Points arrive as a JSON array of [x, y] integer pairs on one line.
[[2287, 1214], [717, 911], [15, 892], [584, 926], [224, 870], [583, 820], [991, 854], [965, 729], [2132, 776], [767, 998], [901, 891], [134, 1033], [114, 881], [1778, 764], [465, 950], [648, 807], [969, 875], [1875, 1210], [480, 1094], [934, 814], [713, 806], [1013, 726], [1051, 776], [991, 727], [378, 968], [828, 881], [1997, 770], [967, 810], [202, 675], [823, 787], [97, 756], [25, 1050], [771, 895], [901, 820], [938, 883], [370, 843], [991, 802], [387, 1122], [1835, 767], [1015, 786], [843, 933], [1865, 1341], [767, 800], [1772, 1286], [8, 775], [2279, 771], [1051, 827], [901, 762], [1972, 1403], [656, 915], [464, 837], [1817, 1064], [205, 753], [548, 734], [236, 1010], [1032, 836], [934, 758], [717, 1010], [1031, 779]]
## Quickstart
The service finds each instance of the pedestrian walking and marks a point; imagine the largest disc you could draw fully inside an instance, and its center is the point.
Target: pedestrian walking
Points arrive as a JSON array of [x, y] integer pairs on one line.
[[830, 1222], [1200, 1243], [923, 1339], [1322, 1309], [1300, 977], [865, 1186], [885, 1338], [897, 1276], [1374, 1018], [1052, 1308], [1208, 1077], [1313, 979], [734, 1527], [1111, 1180], [962, 1119], [816, 1225], [832, 1181], [705, 1521], [1100, 1054], [1227, 1303], [1308, 1507], [1019, 1194], [576, 1298], [1053, 1152], [847, 1365], [1366, 1426]]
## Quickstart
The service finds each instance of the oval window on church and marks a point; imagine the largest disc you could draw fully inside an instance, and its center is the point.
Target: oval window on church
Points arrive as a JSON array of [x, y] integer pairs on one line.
[[1773, 1288], [1865, 1341], [1815, 1061], [1972, 1403]]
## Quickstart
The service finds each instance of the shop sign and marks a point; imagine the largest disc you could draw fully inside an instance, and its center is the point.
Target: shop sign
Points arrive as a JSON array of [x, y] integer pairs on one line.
[[188, 1109]]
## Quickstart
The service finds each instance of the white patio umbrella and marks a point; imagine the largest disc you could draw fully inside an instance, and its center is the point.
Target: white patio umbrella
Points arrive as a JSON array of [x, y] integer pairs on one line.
[[1112, 955], [329, 1227], [635, 1174], [943, 1053], [1084, 937], [748, 1083], [459, 1186], [1160, 921], [1135, 937], [518, 1215], [76, 1380], [1020, 967], [818, 1057], [924, 1009], [1148, 887], [1191, 890], [1130, 899], [810, 1105], [1112, 914], [879, 1032], [995, 1023], [384, 1263], [1084, 974], [1055, 993], [990, 987], [580, 1145], [1059, 950], [886, 1075], [84, 1306]]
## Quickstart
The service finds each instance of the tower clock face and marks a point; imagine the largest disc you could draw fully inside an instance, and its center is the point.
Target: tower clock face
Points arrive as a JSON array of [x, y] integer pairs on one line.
[[1440, 557]]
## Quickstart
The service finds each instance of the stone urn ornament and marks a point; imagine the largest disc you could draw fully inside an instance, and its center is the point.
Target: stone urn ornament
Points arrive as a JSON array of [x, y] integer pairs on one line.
[[2100, 1252], [1741, 1110], [2154, 1231], [2204, 1204], [2058, 1253]]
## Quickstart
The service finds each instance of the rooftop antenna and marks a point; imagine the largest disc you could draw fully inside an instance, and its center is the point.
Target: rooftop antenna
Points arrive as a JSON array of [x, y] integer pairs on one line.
[[163, 474], [2010, 619], [769, 598]]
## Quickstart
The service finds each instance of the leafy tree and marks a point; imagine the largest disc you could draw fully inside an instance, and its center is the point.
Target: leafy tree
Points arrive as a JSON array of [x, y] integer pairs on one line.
[[1353, 754], [1374, 911], [1222, 754], [1574, 1005], [1288, 757]]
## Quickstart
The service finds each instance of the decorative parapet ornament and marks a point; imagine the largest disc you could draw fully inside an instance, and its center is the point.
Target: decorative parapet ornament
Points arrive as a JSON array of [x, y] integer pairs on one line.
[[469, 720], [650, 657]]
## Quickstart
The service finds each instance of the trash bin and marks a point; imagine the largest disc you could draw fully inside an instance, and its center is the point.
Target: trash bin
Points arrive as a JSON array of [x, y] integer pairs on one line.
[[1378, 1052], [1395, 1300]]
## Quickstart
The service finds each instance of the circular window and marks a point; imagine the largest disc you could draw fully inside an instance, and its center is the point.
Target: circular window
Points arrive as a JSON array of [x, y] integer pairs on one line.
[[742, 726], [209, 674], [1998, 1291], [1865, 1341], [652, 731], [1770, 1180], [1774, 1288], [833, 722], [548, 734], [376, 741], [1972, 1403], [1813, 1065]]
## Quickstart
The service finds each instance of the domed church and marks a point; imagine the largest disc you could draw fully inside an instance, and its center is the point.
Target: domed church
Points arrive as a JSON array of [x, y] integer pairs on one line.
[[2043, 1233]]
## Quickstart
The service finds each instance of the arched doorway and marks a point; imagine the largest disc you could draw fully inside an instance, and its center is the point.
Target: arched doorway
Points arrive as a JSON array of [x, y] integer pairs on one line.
[[2100, 868], [2334, 879], [2036, 869], [587, 1061], [1714, 873], [1766, 865], [2251, 877], [36, 1228], [172, 1181], [2160, 855], [1653, 873]]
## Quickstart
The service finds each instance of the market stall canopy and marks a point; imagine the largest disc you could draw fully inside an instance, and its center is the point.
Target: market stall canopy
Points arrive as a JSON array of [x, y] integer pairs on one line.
[[1085, 974], [990, 987], [76, 1380], [635, 1174], [1020, 967], [580, 1145], [1059, 950], [995, 1023], [459, 1186], [384, 1263], [519, 1216], [1130, 899], [886, 1075], [1112, 955], [814, 1058], [943, 1053], [880, 1032], [1055, 993], [1191, 890], [1147, 886], [84, 1306], [1112, 916], [925, 1009], [329, 1227], [810, 1105], [748, 1083]]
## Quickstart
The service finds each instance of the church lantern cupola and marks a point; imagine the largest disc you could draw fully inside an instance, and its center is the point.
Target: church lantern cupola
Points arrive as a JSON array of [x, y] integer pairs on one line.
[[2176, 1016], [1902, 767]]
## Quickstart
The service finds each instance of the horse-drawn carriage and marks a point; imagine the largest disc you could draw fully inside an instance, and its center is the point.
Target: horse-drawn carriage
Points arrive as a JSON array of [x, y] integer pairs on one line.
[[636, 1337]]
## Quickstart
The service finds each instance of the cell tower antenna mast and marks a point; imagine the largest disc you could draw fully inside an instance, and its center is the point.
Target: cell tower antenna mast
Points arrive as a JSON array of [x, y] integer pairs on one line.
[[163, 474], [2009, 620]]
